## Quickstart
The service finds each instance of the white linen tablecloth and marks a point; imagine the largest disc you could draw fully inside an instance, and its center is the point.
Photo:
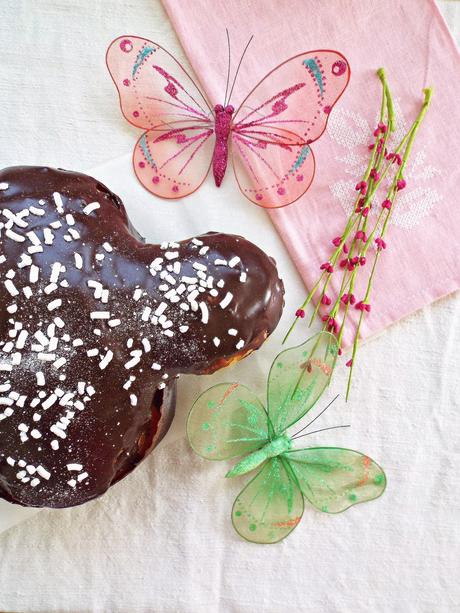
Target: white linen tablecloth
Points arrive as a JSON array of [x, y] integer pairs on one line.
[[161, 540]]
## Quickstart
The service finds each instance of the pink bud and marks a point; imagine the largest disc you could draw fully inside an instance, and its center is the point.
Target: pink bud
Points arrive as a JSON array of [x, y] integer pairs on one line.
[[362, 260], [365, 212], [343, 263], [336, 241], [349, 363], [300, 313], [326, 300], [344, 248], [386, 204], [400, 184], [381, 244]]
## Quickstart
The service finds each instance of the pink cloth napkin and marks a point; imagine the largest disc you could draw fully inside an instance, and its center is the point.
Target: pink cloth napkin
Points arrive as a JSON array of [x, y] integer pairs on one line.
[[410, 39]]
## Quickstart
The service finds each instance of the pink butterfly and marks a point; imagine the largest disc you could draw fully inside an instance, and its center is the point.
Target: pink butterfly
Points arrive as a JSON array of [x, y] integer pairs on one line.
[[268, 136]]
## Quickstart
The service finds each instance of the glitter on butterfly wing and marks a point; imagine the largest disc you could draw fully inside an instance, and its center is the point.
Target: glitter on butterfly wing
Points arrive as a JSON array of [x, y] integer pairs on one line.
[[141, 56], [315, 70], [145, 150]]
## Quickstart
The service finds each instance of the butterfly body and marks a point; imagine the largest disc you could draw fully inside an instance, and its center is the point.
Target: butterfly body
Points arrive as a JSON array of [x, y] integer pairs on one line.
[[222, 128], [228, 421], [271, 449]]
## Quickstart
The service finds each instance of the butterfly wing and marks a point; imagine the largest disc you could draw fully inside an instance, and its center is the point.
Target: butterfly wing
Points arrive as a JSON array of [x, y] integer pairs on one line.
[[334, 479], [173, 156], [275, 125], [226, 421], [298, 377], [270, 506]]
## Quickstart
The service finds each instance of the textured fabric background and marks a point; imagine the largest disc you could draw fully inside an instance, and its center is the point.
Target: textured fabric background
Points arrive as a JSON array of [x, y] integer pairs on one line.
[[161, 540], [410, 40]]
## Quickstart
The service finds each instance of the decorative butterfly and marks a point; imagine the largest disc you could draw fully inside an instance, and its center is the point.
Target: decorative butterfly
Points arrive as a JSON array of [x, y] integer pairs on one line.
[[228, 420], [268, 136]]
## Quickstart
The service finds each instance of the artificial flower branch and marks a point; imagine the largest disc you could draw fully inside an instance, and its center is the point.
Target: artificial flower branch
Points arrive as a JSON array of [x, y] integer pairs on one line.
[[357, 238]]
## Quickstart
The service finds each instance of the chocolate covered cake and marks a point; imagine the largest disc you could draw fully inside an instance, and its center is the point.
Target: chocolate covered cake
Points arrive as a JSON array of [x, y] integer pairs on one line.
[[96, 325]]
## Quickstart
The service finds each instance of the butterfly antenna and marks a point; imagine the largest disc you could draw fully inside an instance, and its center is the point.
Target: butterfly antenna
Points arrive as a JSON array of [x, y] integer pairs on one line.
[[238, 68], [321, 430], [319, 415], [228, 67]]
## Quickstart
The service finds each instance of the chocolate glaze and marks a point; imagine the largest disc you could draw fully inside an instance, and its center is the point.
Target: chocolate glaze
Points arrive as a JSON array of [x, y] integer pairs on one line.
[[68, 434]]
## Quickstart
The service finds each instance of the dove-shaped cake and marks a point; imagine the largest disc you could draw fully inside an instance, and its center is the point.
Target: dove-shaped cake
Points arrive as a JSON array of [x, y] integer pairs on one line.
[[95, 326]]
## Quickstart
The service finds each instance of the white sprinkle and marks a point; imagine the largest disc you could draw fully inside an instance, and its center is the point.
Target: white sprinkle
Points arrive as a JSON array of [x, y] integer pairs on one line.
[[198, 266], [100, 314], [59, 362], [161, 309], [24, 261], [51, 287], [169, 333], [219, 262], [34, 482], [92, 206], [54, 304], [183, 329], [243, 277], [77, 342], [137, 294], [69, 219], [75, 467], [11, 287], [184, 306], [58, 201], [146, 313], [16, 237], [5, 367], [55, 272], [33, 273], [214, 292], [100, 257], [146, 345], [240, 344], [220, 283], [226, 301], [48, 235], [234, 261], [156, 366], [108, 247], [92, 352], [4, 186], [46, 404], [35, 211], [204, 312], [132, 362], [20, 342], [189, 280], [23, 428], [35, 249], [56, 224], [171, 255], [133, 399], [35, 433], [72, 482], [82, 477], [78, 261], [55, 444], [203, 250], [114, 322], [106, 360], [10, 461], [195, 241], [58, 432], [44, 474]]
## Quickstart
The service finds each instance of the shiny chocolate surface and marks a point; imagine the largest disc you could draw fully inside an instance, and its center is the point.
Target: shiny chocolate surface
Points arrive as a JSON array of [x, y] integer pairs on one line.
[[95, 325]]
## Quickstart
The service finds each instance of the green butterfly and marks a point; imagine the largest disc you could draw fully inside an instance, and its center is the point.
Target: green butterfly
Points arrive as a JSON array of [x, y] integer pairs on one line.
[[228, 420]]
